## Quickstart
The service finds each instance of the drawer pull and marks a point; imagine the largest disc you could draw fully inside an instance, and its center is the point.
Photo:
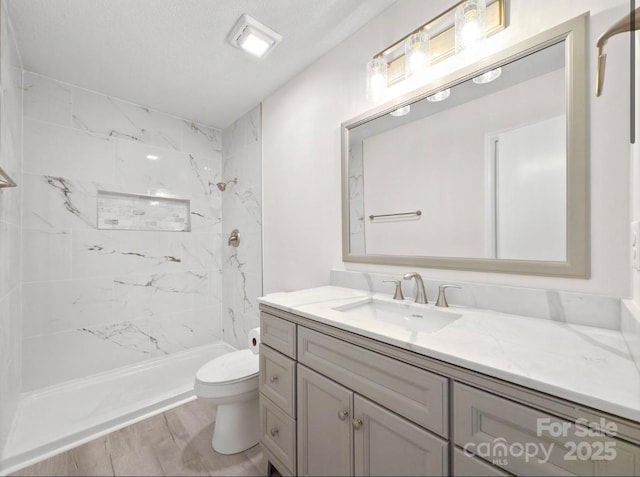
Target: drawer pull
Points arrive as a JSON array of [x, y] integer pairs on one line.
[[274, 431], [342, 415], [273, 379], [357, 424]]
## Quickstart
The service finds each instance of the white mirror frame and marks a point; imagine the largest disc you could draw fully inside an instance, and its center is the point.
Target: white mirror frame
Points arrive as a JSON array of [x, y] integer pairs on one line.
[[573, 32]]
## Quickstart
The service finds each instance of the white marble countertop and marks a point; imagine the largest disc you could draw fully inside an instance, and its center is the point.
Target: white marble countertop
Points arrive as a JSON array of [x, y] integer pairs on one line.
[[587, 365]]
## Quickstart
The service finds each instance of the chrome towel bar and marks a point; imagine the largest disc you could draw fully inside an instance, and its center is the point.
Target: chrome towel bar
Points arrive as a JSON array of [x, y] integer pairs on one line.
[[417, 212]]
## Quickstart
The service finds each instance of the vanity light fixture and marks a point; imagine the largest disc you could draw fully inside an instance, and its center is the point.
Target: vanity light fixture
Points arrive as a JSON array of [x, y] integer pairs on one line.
[[253, 37], [152, 157], [470, 24], [376, 78], [439, 96], [403, 111], [458, 28], [488, 77], [416, 54]]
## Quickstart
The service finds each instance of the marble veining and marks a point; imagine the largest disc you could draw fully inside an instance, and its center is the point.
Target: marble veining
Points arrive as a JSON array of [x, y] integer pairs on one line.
[[127, 335], [47, 100], [107, 251], [630, 327], [161, 292], [65, 192], [242, 210], [114, 118], [584, 364]]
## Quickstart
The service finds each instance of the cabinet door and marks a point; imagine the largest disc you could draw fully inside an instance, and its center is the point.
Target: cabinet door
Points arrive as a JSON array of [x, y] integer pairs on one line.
[[324, 425], [387, 444]]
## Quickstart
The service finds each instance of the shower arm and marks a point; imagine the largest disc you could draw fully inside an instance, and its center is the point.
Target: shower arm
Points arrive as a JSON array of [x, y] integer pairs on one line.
[[630, 22]]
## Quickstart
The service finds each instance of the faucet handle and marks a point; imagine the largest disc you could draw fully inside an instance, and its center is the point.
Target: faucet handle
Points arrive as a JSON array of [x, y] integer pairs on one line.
[[442, 297], [398, 293]]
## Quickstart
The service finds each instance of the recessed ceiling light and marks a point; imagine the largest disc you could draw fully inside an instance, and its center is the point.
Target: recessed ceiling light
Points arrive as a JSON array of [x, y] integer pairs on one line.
[[401, 111], [152, 157], [488, 77], [253, 37], [439, 96]]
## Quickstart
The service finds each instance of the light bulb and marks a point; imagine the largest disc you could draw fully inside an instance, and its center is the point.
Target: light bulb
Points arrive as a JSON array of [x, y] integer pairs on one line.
[[376, 79], [470, 24], [470, 33], [252, 43], [416, 54]]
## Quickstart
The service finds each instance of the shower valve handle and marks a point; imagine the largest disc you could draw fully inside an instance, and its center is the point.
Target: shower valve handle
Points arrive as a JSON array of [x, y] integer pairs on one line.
[[234, 238]]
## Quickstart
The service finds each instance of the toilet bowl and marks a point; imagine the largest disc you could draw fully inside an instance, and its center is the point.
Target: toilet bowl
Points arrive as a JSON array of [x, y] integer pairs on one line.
[[231, 381]]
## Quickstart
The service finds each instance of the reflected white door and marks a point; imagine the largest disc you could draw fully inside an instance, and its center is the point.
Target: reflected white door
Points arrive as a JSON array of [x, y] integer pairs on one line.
[[530, 187]]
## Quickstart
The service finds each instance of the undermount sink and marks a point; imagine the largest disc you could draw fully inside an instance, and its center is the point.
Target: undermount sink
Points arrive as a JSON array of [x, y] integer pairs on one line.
[[411, 316]]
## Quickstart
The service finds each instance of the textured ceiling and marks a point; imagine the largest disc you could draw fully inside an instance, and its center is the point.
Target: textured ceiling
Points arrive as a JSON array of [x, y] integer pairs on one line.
[[172, 55]]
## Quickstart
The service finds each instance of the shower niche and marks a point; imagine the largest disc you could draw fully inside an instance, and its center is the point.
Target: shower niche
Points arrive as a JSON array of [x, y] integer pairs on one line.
[[122, 211]]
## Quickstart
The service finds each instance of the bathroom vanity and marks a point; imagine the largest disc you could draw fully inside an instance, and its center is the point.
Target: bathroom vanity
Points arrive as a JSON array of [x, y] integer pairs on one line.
[[348, 389]]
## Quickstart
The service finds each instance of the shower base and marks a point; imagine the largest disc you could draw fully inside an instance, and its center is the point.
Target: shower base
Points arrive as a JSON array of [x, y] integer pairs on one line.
[[57, 418]]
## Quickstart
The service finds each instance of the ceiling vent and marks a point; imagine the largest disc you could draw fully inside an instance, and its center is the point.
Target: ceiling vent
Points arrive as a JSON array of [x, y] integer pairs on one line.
[[253, 37]]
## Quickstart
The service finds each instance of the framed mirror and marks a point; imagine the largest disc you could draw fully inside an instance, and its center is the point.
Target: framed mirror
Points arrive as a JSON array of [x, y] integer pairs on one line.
[[485, 169]]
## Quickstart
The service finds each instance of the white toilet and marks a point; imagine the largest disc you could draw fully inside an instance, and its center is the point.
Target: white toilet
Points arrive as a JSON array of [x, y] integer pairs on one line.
[[231, 381]]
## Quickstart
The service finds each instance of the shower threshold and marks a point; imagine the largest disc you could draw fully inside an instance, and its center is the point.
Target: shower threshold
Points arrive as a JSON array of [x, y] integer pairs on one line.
[[57, 418]]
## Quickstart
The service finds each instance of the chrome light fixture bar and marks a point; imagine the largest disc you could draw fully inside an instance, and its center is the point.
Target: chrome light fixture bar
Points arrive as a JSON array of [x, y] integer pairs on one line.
[[435, 41]]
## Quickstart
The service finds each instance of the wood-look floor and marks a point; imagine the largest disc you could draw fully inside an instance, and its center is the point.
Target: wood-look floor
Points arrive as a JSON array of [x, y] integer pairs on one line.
[[177, 442]]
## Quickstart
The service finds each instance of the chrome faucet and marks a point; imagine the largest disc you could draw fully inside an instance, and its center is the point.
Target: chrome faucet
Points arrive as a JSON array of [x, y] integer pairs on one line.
[[398, 293], [442, 297], [421, 294]]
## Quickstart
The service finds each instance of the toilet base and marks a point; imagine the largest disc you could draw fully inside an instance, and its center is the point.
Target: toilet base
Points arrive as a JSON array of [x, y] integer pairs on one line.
[[237, 426]]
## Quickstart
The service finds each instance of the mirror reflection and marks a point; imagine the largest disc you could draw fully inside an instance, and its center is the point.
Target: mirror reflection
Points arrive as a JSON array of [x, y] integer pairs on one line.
[[478, 170]]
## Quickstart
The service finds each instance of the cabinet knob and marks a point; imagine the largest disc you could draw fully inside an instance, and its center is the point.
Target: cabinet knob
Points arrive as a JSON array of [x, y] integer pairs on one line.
[[274, 431], [342, 415], [357, 424], [273, 379]]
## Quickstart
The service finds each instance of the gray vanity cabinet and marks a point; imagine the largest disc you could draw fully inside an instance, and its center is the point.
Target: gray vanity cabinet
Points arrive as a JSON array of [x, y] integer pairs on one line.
[[324, 425], [484, 419], [387, 444], [342, 433], [337, 403], [277, 383]]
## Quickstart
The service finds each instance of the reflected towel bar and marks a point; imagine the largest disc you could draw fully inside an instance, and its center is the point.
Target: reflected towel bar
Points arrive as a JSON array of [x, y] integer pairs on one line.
[[5, 180], [417, 212]]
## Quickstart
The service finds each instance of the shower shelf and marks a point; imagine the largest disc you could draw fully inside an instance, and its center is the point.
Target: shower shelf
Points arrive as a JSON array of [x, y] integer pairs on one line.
[[5, 180]]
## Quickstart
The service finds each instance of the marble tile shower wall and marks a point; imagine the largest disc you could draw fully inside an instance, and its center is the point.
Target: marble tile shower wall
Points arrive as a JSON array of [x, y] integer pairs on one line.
[[93, 299], [11, 162], [242, 210]]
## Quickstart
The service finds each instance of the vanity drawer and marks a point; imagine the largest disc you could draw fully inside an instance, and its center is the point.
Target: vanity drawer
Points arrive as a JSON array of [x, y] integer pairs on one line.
[[465, 465], [504, 427], [278, 433], [414, 393], [278, 379], [278, 333]]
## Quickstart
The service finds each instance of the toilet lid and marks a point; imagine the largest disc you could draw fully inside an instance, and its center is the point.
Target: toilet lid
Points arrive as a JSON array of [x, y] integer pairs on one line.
[[229, 367]]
